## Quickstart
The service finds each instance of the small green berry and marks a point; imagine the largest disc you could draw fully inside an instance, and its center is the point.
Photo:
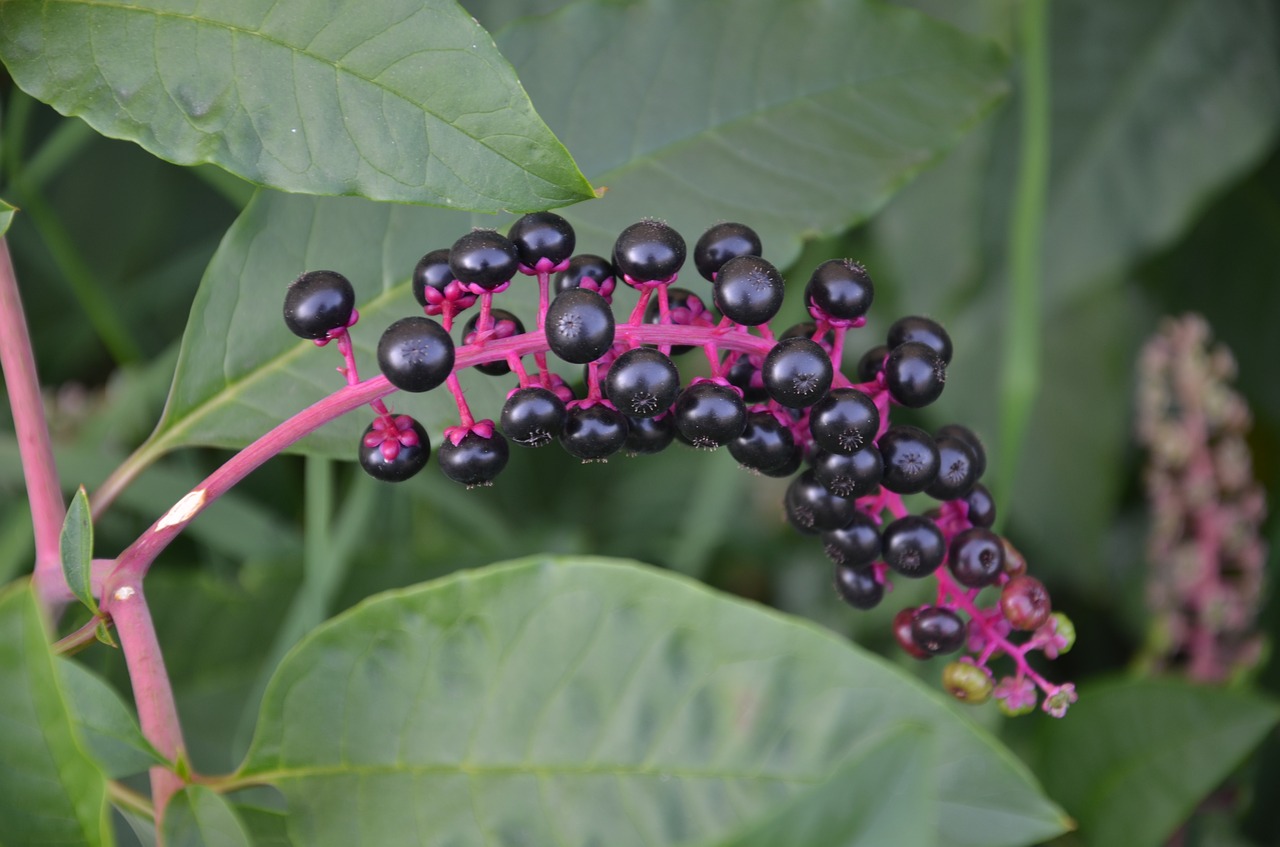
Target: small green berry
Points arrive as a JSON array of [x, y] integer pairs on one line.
[[967, 682]]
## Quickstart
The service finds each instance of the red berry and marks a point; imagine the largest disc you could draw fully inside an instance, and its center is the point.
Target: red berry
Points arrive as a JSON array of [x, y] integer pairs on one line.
[[1025, 603]]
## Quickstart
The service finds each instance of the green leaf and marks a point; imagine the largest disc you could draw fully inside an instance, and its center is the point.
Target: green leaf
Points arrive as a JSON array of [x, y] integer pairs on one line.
[[200, 817], [76, 545], [6, 216], [590, 701], [267, 827], [402, 101], [50, 790], [1135, 757], [108, 726]]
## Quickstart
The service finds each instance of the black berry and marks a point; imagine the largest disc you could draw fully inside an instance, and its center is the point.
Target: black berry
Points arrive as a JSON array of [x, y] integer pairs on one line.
[[593, 433], [851, 476], [937, 630], [748, 290], [910, 459], [971, 438], [503, 324], [649, 251], [812, 509], [646, 436], [723, 242], [915, 374], [913, 546], [902, 631], [432, 271], [855, 544], [542, 235], [394, 450], [982, 506], [841, 289], [797, 372], [871, 365], [474, 460], [317, 303], [858, 587], [587, 270], [642, 383], [485, 258], [765, 444], [923, 330], [976, 557], [844, 421], [956, 469], [709, 414], [415, 354], [579, 326], [744, 374], [532, 416]]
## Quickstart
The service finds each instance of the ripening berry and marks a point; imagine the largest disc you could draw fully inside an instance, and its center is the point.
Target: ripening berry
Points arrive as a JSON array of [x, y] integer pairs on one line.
[[937, 630], [1024, 602], [967, 682]]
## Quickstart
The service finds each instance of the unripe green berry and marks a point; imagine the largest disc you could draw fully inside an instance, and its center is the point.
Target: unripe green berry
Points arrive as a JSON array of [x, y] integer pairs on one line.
[[1011, 712], [1065, 629], [967, 682]]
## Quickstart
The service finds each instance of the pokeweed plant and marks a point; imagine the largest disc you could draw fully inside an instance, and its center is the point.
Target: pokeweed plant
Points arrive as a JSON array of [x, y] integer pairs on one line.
[[554, 699]]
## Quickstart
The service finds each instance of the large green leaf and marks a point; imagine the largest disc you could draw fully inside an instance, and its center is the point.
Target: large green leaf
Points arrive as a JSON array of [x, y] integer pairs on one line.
[[850, 100], [405, 100], [1137, 756], [199, 817], [108, 726], [50, 790], [595, 702]]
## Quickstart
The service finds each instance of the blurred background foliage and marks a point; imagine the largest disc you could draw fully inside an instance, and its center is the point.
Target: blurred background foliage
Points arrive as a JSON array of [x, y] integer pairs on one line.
[[1164, 198]]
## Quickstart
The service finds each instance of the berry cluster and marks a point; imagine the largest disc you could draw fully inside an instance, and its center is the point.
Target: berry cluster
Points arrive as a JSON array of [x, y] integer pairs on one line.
[[780, 405]]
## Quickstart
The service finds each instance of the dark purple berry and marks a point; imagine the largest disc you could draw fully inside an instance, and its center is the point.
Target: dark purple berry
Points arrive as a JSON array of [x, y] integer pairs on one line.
[[812, 509], [748, 290], [646, 436], [850, 476], [790, 466], [593, 433], [913, 546], [532, 417], [923, 330], [542, 235], [649, 251], [840, 289], [765, 444], [684, 308], [394, 454], [844, 421], [474, 460], [415, 354], [915, 374], [910, 459], [1025, 603], [317, 303], [744, 374], [858, 587], [982, 506], [642, 383], [432, 271], [937, 630], [485, 258], [976, 557], [871, 365], [723, 242], [855, 544], [797, 372], [902, 631], [709, 414], [503, 324], [579, 326], [971, 438], [587, 270], [956, 475]]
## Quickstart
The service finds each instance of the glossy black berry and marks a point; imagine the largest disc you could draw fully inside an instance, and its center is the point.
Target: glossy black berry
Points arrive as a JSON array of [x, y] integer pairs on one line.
[[586, 270], [415, 354], [858, 587], [797, 372], [812, 509], [765, 444], [649, 251], [982, 506], [709, 414], [915, 374], [841, 289], [855, 544], [642, 383], [956, 469], [503, 324], [723, 242], [910, 459], [902, 631], [432, 271], [913, 546], [485, 258], [580, 326], [923, 330], [542, 235], [748, 290], [851, 476], [790, 466], [937, 630], [844, 421], [871, 365], [532, 417], [976, 557], [317, 303], [646, 436], [405, 459], [971, 438], [593, 433], [474, 460], [744, 374]]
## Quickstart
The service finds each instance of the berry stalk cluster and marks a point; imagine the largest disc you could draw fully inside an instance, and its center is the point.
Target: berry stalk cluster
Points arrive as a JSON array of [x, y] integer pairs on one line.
[[781, 405]]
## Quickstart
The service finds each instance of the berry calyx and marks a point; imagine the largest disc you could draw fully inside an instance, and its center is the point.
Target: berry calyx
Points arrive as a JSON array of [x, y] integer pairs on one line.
[[839, 290], [533, 416], [317, 303], [580, 326], [649, 251], [474, 459], [797, 372], [415, 354], [542, 236], [484, 258], [748, 290], [394, 449], [723, 242], [642, 383], [937, 630], [1025, 603]]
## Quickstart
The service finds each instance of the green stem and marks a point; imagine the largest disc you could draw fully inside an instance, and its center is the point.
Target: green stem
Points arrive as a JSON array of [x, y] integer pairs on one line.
[[1020, 373], [16, 118], [63, 145]]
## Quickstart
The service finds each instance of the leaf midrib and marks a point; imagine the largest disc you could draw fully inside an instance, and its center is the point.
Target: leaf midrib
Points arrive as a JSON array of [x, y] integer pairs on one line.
[[521, 770]]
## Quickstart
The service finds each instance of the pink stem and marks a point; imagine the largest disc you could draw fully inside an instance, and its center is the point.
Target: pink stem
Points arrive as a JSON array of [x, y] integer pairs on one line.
[[38, 467]]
